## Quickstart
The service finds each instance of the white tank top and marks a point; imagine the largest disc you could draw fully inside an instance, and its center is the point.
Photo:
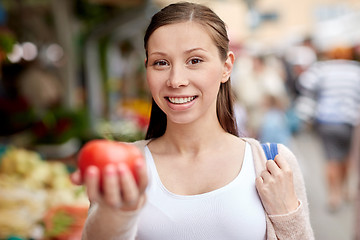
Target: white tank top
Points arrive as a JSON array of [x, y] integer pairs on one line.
[[228, 213]]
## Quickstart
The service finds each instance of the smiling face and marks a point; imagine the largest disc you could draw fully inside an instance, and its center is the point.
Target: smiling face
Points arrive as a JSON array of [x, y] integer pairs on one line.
[[184, 71]]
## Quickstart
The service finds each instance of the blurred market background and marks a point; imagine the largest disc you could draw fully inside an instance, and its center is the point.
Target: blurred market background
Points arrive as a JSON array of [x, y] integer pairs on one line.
[[73, 70]]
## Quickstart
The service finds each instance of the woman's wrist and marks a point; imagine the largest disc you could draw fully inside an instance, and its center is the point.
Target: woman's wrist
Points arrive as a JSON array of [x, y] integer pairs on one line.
[[289, 212]]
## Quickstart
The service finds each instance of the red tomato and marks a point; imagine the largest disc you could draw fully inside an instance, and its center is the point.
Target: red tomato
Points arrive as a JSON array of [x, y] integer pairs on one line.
[[101, 152]]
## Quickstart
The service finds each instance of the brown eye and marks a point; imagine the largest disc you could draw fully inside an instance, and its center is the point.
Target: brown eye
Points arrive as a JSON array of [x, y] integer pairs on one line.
[[160, 63], [195, 61]]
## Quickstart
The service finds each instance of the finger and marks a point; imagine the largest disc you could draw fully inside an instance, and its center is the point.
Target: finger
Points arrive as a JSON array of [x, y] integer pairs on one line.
[[281, 162], [92, 178], [285, 168], [111, 187], [75, 178], [141, 175], [128, 185], [266, 176], [273, 168], [259, 181]]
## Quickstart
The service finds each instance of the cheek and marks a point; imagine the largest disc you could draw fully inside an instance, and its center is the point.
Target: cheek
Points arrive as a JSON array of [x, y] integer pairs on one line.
[[213, 77], [213, 83], [152, 81], [156, 83]]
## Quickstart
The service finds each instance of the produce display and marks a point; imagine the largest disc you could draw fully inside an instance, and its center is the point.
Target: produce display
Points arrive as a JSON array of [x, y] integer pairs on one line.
[[37, 198], [65, 222]]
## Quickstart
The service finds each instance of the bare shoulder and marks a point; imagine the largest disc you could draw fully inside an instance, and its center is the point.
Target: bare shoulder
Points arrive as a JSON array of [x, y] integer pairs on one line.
[[236, 141], [157, 145], [233, 145]]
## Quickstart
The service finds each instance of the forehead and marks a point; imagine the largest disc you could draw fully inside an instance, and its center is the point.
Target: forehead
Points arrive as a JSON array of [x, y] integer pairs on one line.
[[180, 35]]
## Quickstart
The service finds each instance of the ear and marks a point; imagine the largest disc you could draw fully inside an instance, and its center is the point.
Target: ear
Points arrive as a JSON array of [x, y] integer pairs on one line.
[[228, 66], [145, 62]]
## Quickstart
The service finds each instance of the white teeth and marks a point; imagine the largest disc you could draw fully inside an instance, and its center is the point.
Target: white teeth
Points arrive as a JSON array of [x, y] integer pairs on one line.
[[180, 100]]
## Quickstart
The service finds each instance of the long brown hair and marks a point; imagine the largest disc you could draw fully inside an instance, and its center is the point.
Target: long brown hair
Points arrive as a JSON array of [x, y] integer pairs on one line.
[[183, 12]]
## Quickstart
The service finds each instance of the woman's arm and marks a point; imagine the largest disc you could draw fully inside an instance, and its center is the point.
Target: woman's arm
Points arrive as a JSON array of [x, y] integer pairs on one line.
[[109, 223], [114, 209], [294, 224]]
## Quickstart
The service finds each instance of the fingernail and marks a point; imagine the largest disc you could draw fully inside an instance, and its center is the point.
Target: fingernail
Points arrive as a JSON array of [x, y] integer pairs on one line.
[[92, 170], [122, 168], [139, 163], [110, 169]]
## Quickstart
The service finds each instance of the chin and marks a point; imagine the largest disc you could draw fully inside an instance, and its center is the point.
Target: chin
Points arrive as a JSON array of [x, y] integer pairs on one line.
[[185, 119]]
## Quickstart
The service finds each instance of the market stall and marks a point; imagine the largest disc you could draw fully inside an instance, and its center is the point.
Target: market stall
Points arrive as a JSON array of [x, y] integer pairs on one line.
[[37, 198]]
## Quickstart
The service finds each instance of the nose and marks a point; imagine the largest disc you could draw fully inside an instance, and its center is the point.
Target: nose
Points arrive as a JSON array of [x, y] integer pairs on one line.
[[177, 77]]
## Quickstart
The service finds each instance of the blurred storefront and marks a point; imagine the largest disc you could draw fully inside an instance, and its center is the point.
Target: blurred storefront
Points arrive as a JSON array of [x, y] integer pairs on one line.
[[81, 61], [71, 71], [279, 23]]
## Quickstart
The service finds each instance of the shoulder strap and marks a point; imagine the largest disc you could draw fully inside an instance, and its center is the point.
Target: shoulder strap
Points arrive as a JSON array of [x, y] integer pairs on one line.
[[270, 151]]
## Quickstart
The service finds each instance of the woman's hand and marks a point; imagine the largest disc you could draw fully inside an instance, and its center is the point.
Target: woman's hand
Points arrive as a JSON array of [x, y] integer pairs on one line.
[[120, 190], [276, 188]]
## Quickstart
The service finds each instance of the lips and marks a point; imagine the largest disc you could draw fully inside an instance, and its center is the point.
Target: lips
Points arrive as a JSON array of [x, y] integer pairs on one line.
[[180, 100]]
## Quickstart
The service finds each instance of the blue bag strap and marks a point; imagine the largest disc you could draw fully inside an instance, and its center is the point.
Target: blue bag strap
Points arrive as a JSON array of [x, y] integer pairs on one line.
[[266, 150], [271, 151]]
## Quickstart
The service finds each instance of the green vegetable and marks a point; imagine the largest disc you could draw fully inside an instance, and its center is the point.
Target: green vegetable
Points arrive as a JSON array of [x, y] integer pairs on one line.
[[61, 223]]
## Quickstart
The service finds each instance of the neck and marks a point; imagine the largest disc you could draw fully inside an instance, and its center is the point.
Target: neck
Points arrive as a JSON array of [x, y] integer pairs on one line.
[[193, 138]]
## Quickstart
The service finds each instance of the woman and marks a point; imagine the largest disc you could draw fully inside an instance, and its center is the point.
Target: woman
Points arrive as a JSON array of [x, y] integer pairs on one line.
[[200, 180]]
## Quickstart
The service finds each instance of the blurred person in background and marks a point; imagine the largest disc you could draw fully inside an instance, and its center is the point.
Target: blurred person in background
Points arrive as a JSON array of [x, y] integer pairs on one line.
[[355, 158], [334, 87], [257, 80], [296, 60], [357, 52], [41, 88], [275, 125]]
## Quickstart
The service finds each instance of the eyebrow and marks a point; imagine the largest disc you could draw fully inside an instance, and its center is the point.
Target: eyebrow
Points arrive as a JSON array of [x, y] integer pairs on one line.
[[195, 49], [187, 51], [157, 53]]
